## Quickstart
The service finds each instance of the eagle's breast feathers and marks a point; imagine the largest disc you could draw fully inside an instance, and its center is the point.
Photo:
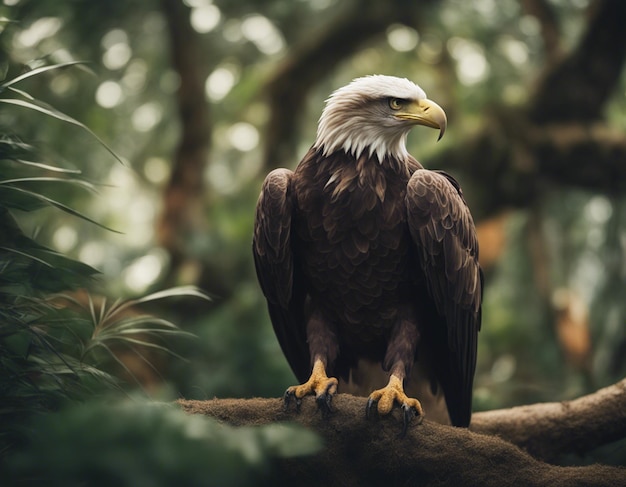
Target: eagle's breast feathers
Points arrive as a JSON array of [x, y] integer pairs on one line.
[[352, 237]]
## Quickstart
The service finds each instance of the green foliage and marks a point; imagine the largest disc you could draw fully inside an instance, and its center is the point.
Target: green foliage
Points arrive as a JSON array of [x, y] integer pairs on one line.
[[48, 348], [120, 323], [38, 367], [25, 100], [57, 346], [136, 444]]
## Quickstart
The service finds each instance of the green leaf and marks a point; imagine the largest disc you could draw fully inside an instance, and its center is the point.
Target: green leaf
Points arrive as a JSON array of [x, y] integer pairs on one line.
[[38, 71], [180, 291], [54, 113], [19, 201], [47, 167], [59, 205], [76, 182], [18, 343], [23, 93], [25, 254]]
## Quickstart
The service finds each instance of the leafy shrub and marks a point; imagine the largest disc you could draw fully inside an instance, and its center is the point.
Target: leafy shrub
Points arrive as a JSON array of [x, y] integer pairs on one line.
[[136, 444], [54, 349]]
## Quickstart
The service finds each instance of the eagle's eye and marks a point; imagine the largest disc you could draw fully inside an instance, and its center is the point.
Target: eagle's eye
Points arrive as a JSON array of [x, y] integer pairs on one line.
[[395, 103]]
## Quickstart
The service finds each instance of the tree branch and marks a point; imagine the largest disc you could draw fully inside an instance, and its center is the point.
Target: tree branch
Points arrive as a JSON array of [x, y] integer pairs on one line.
[[558, 139], [550, 32], [577, 88], [548, 430], [365, 452], [516, 160]]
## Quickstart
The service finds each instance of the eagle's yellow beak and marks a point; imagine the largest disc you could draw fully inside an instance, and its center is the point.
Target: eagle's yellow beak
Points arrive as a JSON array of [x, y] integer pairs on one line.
[[425, 112]]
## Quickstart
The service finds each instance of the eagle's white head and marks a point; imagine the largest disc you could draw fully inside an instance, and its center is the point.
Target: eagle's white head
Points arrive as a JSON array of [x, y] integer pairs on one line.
[[375, 114]]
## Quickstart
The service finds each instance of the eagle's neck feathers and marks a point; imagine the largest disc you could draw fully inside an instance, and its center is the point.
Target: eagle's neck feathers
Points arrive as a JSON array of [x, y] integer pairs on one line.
[[356, 136]]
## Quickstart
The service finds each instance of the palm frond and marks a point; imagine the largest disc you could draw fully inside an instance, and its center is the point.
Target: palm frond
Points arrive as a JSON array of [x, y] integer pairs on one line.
[[50, 111], [34, 195], [37, 72], [49, 179], [180, 291], [52, 347], [47, 167], [119, 324], [27, 255]]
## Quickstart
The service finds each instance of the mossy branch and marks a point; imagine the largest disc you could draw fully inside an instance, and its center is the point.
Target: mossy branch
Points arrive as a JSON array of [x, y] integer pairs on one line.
[[504, 447]]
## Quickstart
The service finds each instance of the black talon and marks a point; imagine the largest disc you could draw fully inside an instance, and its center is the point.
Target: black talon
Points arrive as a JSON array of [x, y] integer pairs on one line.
[[324, 404], [290, 396], [324, 401], [408, 414], [368, 408], [287, 399]]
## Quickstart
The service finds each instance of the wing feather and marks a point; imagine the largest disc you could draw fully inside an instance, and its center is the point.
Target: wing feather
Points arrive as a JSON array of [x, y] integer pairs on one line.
[[445, 241], [279, 278]]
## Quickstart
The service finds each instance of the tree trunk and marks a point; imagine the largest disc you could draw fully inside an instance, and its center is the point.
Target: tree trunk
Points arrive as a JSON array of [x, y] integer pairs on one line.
[[182, 199]]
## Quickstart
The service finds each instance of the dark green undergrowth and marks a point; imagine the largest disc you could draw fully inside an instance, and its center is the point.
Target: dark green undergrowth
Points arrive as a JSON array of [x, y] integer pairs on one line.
[[67, 416]]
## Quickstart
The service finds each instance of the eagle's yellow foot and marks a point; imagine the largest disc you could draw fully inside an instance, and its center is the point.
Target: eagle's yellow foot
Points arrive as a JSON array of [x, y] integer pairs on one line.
[[391, 394], [319, 384]]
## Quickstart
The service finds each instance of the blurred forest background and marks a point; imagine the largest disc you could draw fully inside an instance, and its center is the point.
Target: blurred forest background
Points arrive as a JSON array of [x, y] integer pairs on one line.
[[201, 98]]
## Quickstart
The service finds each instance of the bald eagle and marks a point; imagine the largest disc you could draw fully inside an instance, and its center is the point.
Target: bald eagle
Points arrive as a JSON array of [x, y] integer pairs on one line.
[[369, 262]]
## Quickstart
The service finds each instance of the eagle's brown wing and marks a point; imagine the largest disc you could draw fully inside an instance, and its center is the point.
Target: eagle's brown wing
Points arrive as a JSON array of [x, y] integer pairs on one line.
[[274, 262], [447, 253]]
